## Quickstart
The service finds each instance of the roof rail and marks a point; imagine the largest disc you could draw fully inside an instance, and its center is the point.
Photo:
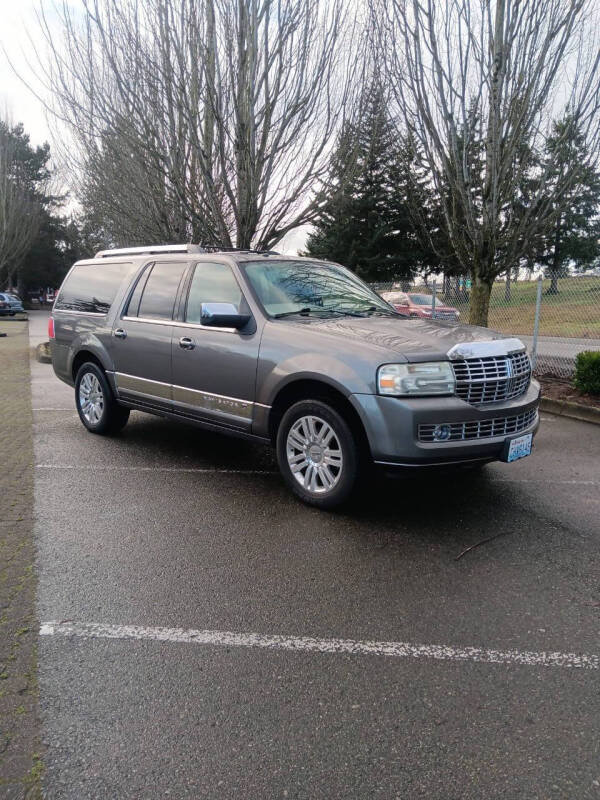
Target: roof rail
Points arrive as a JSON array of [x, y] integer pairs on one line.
[[150, 250], [213, 248]]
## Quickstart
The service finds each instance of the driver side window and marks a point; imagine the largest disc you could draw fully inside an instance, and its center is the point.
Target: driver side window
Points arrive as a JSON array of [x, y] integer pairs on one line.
[[212, 283]]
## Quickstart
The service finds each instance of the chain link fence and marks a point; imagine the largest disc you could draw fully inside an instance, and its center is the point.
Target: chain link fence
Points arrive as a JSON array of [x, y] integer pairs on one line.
[[555, 321]]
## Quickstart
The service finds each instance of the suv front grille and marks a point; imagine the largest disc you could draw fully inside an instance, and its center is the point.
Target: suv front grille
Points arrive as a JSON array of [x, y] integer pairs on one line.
[[479, 429], [493, 378]]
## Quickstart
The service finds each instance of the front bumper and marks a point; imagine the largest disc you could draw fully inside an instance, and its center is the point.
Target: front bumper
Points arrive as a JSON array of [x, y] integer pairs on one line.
[[392, 427]]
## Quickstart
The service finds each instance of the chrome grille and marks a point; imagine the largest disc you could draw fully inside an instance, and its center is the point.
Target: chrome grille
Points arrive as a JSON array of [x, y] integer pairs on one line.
[[493, 378], [480, 429]]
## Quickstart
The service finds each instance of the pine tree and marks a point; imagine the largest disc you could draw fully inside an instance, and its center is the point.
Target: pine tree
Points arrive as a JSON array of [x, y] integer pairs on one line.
[[575, 235], [363, 220]]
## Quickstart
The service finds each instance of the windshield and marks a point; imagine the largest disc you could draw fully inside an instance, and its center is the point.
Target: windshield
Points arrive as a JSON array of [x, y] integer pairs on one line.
[[290, 287], [422, 299]]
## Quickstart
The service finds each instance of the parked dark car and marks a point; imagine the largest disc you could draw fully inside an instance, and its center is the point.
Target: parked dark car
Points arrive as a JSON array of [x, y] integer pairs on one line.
[[413, 304], [292, 351]]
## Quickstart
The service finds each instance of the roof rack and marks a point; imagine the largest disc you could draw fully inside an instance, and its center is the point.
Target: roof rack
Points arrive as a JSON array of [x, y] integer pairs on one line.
[[150, 250], [213, 248]]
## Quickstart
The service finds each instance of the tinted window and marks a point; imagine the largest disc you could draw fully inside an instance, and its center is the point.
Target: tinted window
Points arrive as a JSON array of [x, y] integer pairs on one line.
[[134, 300], [159, 293], [92, 287], [211, 283]]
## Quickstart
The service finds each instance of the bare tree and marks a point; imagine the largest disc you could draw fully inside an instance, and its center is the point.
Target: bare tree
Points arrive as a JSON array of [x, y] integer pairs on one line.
[[489, 76], [19, 212], [203, 119]]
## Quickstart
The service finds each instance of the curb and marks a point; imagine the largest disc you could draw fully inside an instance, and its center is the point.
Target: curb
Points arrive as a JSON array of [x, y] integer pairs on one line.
[[564, 408], [42, 353]]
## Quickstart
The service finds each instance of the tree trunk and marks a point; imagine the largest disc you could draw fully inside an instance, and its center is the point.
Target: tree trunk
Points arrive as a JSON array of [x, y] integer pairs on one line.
[[479, 302], [555, 271], [447, 287]]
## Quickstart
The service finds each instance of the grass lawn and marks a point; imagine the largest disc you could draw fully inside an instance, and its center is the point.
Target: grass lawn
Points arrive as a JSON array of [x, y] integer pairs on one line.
[[575, 311]]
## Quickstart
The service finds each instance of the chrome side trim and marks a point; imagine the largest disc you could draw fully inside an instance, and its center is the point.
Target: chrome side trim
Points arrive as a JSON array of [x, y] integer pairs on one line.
[[80, 313], [218, 403], [148, 319], [206, 401], [133, 383], [495, 347], [179, 324], [204, 327]]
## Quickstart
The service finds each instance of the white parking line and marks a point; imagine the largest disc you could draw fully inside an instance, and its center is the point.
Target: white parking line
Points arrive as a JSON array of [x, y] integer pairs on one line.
[[55, 409], [131, 468], [92, 630], [111, 468], [544, 480]]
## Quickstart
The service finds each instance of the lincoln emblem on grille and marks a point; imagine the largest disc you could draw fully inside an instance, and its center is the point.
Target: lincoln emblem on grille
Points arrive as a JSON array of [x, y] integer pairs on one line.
[[509, 368]]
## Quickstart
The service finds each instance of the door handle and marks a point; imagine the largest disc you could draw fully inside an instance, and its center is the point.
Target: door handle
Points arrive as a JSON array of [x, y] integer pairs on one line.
[[120, 333], [186, 343]]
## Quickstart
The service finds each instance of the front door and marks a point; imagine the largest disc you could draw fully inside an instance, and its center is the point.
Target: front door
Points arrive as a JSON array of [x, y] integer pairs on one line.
[[141, 337], [214, 369]]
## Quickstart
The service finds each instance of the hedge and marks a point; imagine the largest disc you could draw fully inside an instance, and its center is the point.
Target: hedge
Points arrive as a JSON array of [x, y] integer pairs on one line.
[[587, 372]]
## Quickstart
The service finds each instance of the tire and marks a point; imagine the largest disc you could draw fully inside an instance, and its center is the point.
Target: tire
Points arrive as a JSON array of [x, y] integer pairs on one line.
[[103, 415], [314, 430]]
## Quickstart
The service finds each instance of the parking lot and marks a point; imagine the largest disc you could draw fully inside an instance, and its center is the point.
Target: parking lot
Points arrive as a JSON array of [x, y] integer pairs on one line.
[[205, 635]]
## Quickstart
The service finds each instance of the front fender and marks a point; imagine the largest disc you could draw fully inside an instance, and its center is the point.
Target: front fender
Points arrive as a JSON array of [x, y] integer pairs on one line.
[[315, 367]]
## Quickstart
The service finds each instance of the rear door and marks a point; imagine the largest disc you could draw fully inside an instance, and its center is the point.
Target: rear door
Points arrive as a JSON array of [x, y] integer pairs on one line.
[[214, 369], [141, 336]]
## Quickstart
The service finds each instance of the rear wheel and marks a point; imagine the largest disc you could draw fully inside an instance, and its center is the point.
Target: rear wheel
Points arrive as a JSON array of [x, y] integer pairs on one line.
[[317, 454], [96, 404]]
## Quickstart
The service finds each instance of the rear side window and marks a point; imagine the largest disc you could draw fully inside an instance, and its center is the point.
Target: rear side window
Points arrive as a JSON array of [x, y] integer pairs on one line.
[[92, 287], [160, 291]]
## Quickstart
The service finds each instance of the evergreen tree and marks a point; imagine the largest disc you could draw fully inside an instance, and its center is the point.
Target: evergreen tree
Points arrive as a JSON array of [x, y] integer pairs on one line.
[[57, 241], [362, 219], [575, 235]]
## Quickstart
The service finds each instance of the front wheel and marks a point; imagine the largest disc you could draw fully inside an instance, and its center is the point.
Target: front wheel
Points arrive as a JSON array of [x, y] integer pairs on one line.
[[96, 404], [317, 454]]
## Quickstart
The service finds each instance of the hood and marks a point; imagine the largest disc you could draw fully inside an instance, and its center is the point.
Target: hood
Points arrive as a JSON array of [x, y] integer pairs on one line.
[[416, 339]]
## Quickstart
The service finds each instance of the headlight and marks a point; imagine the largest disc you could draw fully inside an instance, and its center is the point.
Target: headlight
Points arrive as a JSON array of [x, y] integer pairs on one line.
[[402, 380]]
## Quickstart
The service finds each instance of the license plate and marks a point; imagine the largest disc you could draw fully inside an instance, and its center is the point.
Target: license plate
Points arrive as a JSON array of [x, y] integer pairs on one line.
[[519, 447]]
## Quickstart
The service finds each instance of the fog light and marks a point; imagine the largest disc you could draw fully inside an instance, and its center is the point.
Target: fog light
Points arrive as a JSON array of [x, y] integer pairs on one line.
[[441, 433]]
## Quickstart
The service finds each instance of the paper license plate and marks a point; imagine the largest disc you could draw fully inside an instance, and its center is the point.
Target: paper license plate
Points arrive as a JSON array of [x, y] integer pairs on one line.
[[519, 447]]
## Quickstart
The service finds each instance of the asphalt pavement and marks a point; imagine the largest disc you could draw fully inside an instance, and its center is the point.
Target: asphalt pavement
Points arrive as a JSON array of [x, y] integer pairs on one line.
[[205, 635]]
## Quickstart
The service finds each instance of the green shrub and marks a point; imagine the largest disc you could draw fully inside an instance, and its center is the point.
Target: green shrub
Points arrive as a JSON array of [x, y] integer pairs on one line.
[[587, 371]]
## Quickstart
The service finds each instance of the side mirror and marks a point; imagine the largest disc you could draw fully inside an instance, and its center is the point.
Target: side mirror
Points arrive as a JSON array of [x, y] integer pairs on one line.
[[222, 315]]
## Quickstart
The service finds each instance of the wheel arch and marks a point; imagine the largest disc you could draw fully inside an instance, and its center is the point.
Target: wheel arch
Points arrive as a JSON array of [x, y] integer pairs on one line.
[[314, 389], [82, 357]]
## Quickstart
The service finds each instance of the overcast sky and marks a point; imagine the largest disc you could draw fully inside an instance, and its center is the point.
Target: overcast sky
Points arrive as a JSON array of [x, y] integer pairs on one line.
[[20, 38], [17, 23]]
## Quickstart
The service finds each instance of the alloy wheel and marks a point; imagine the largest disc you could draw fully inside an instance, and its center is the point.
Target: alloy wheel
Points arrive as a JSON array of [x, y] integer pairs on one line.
[[314, 454], [91, 398]]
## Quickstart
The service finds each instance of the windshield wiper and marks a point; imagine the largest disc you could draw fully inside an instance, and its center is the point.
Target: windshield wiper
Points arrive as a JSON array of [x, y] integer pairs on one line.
[[375, 310], [339, 311], [306, 311], [291, 313]]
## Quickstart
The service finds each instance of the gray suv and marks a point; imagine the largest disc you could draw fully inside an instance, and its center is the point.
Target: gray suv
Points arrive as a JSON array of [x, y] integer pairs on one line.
[[292, 351]]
